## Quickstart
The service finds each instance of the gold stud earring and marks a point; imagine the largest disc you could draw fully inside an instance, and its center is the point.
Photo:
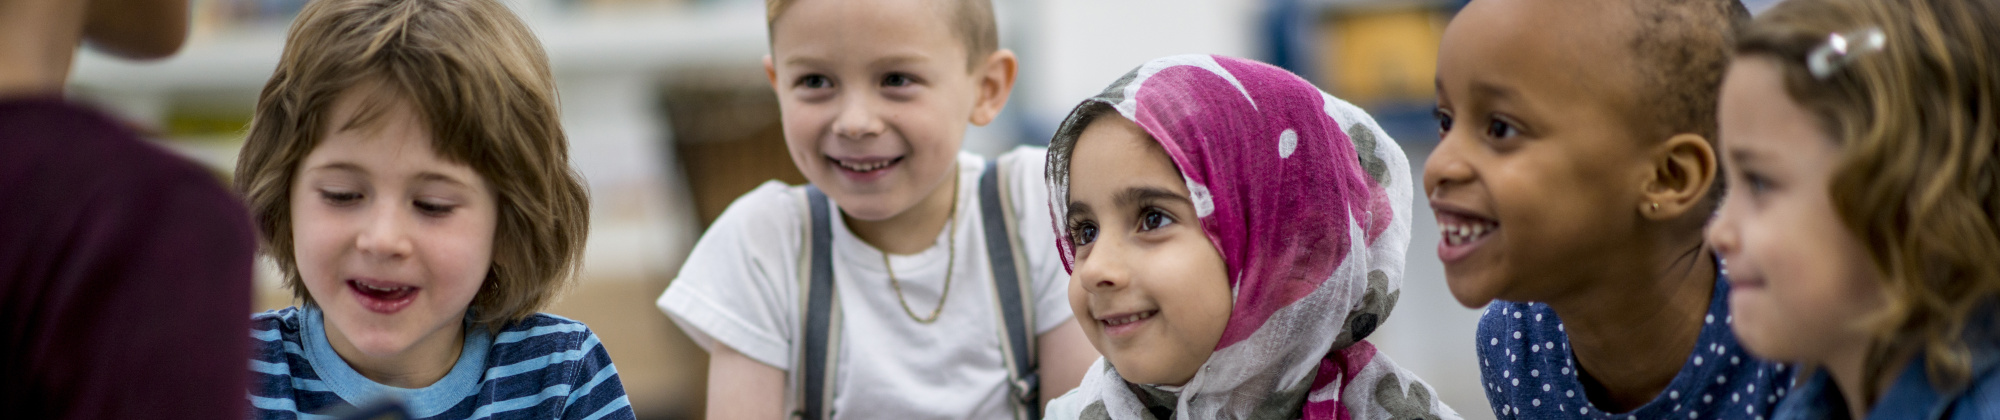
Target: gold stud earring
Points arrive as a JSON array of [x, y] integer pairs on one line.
[[1656, 206]]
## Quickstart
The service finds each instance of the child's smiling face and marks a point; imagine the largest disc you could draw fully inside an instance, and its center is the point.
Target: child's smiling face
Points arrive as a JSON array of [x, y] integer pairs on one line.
[[1538, 170], [875, 97], [1148, 286], [392, 241], [1800, 281]]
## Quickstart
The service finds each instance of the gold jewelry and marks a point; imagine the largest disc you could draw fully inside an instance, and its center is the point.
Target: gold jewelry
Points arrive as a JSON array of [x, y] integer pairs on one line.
[[1656, 206], [951, 243]]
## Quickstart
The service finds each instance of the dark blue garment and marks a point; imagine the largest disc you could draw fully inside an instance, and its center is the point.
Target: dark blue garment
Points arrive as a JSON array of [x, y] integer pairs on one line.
[[543, 367], [1529, 372], [1913, 396]]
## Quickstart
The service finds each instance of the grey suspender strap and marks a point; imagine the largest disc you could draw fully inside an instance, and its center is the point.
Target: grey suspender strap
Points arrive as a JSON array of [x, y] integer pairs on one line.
[[822, 323], [812, 376], [1017, 331]]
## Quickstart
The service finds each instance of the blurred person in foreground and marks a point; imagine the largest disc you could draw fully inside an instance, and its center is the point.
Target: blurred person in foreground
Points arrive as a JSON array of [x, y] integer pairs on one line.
[[124, 270]]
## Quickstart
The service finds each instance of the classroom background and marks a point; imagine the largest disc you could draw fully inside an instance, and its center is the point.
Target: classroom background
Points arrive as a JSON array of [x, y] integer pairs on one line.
[[670, 118]]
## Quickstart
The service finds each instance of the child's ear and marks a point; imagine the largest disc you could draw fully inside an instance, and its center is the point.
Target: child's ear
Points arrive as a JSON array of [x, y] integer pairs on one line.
[[996, 82], [1683, 172], [771, 72]]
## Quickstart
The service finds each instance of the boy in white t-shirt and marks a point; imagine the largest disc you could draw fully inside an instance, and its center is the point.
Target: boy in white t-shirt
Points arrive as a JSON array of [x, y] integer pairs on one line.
[[875, 97]]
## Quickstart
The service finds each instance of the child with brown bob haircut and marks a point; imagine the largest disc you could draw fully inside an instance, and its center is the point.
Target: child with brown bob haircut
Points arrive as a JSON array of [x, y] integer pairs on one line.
[[903, 282], [1862, 228], [407, 170], [1576, 170]]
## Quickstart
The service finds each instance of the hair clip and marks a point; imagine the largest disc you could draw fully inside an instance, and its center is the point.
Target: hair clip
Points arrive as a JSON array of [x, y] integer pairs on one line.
[[1840, 49]]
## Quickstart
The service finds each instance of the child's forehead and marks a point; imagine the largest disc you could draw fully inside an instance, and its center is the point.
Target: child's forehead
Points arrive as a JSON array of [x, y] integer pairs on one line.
[[880, 24], [1528, 51]]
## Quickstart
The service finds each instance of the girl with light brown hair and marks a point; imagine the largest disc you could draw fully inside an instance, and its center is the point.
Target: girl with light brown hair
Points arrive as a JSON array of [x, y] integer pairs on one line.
[[1862, 226]]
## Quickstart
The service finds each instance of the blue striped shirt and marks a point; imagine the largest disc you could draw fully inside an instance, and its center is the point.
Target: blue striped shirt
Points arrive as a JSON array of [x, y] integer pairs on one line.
[[543, 367]]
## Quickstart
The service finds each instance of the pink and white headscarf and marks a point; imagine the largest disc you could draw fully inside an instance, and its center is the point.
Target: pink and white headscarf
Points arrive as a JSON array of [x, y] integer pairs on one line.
[[1308, 201]]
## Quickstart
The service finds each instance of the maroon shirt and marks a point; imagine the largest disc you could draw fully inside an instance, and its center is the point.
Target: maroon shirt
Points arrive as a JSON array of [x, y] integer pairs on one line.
[[124, 274]]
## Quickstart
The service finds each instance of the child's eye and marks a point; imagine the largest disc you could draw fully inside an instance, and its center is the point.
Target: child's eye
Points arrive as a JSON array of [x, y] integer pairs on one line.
[[1082, 233], [897, 80], [1154, 219], [339, 198], [1499, 129], [1443, 120], [432, 209], [1756, 183], [815, 81]]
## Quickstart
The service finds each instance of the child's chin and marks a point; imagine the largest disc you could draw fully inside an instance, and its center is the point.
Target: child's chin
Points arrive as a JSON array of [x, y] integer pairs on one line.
[[1473, 290]]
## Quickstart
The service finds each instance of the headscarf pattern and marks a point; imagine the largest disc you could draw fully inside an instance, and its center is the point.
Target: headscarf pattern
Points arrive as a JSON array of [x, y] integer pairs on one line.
[[1308, 201]]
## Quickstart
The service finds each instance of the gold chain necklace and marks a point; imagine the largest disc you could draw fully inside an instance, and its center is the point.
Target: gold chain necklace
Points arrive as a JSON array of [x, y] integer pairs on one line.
[[951, 243]]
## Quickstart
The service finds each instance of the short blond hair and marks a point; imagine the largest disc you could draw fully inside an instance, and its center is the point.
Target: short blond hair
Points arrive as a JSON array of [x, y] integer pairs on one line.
[[972, 20], [480, 81], [1918, 124]]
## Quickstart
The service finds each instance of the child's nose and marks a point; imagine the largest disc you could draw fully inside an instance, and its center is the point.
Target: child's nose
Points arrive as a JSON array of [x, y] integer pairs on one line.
[[858, 118], [1445, 166], [1721, 232], [383, 234], [1104, 269]]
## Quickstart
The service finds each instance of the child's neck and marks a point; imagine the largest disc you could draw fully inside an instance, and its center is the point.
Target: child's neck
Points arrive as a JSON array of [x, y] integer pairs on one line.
[[1632, 330], [915, 229], [423, 364], [1848, 367]]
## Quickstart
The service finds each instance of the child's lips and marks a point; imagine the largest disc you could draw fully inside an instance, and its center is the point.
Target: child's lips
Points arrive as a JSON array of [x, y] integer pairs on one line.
[[1125, 324], [864, 165], [1462, 231], [380, 296]]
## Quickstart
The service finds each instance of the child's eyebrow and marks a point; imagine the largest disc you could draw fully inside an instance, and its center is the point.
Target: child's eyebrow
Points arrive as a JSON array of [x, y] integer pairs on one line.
[[340, 166], [1077, 209], [1136, 196], [1481, 88], [1740, 154], [438, 177]]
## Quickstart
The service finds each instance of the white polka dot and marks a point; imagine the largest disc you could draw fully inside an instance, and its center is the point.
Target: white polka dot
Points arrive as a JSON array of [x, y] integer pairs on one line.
[[1535, 348], [1769, 399], [1565, 371], [1549, 345], [1559, 326], [1571, 394], [1721, 380], [1287, 142], [1537, 402], [1752, 389], [1517, 315], [1538, 317], [1517, 335], [1705, 398], [1697, 360], [1674, 395], [1513, 358], [1517, 381], [1709, 319], [1505, 373], [1204, 203], [1517, 411], [1735, 397], [1694, 414], [1583, 410], [1751, 410], [1729, 320], [1535, 373], [1736, 361], [1545, 387], [1493, 341]]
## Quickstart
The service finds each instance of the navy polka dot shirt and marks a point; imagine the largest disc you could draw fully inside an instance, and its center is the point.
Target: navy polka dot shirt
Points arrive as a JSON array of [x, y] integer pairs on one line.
[[1525, 361]]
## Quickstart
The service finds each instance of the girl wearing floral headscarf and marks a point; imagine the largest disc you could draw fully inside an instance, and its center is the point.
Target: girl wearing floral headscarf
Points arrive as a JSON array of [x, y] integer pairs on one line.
[[1233, 234]]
